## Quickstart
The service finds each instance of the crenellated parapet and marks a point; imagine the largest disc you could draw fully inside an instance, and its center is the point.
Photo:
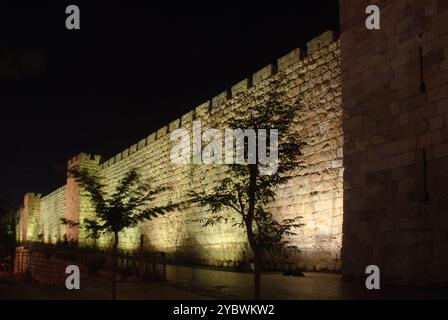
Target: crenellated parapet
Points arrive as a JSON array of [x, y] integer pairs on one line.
[[298, 57]]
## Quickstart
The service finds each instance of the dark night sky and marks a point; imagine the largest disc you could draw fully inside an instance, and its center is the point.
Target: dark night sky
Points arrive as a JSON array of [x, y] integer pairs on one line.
[[127, 72]]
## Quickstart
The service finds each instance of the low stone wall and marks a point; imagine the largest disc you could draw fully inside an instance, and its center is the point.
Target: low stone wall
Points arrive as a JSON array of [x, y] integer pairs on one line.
[[48, 264], [22, 260], [43, 267]]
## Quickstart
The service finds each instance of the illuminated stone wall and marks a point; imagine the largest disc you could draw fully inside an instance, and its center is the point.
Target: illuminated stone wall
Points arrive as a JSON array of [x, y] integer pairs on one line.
[[395, 99], [29, 227], [52, 208], [78, 204], [315, 193]]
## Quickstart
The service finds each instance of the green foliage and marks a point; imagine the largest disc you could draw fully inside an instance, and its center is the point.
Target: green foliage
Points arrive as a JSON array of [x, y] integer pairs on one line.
[[128, 205], [271, 234], [7, 223]]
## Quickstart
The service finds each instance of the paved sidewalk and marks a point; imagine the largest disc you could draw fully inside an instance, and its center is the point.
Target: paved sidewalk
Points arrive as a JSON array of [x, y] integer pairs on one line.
[[322, 286], [125, 291], [185, 283], [18, 287]]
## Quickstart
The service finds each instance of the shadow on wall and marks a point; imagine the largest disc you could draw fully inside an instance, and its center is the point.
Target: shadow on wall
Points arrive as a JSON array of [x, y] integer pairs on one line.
[[203, 248]]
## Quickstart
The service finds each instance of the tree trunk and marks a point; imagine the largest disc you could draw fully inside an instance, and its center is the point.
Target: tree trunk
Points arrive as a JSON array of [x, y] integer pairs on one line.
[[249, 221], [114, 266], [257, 276]]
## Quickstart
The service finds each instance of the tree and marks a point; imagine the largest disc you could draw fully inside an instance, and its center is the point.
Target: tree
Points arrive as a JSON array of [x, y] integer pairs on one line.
[[247, 190], [7, 223], [126, 207]]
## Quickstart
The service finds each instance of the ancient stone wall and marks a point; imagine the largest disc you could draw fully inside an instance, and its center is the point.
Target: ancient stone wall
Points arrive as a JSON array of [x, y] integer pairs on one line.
[[395, 99], [52, 209], [29, 227], [78, 204], [312, 75]]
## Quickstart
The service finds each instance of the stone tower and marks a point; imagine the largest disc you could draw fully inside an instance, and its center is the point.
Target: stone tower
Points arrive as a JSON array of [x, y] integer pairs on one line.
[[395, 106], [30, 224], [78, 207]]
